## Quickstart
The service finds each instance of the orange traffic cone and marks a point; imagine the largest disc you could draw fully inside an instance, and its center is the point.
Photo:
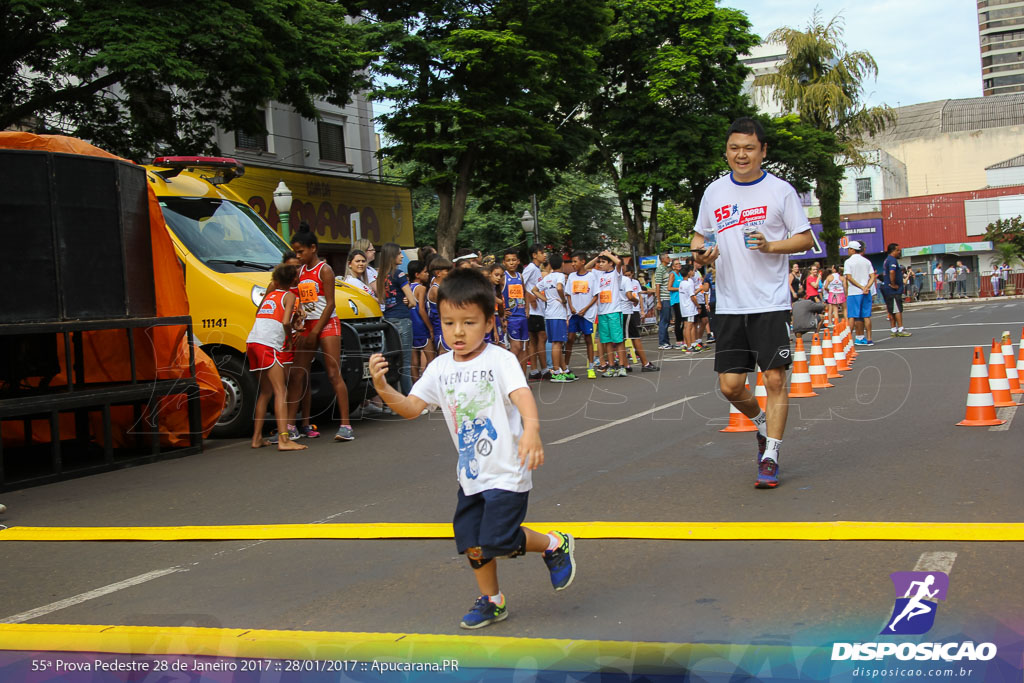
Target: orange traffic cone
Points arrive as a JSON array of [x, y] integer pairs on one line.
[[760, 392], [738, 422], [850, 348], [1011, 365], [800, 381], [997, 382], [830, 358], [819, 374], [980, 409], [1020, 355], [839, 347]]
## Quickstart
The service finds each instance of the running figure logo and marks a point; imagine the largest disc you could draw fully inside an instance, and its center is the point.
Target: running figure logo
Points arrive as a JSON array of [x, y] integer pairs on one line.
[[916, 593]]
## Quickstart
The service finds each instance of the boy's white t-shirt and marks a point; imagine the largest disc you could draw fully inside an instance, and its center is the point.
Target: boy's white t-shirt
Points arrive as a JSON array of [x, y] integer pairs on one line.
[[554, 309], [625, 305], [609, 292], [484, 424], [531, 276], [698, 280], [686, 307], [638, 290], [748, 281], [581, 290]]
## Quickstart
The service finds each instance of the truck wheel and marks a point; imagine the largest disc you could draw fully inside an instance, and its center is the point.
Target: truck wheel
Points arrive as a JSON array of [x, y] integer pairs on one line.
[[240, 390]]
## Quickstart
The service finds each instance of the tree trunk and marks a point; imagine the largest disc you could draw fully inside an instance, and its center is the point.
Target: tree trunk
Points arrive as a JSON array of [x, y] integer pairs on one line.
[[453, 206], [828, 191], [646, 246]]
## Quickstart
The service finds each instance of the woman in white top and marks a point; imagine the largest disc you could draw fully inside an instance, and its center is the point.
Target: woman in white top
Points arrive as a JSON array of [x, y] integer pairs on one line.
[[370, 252], [355, 271]]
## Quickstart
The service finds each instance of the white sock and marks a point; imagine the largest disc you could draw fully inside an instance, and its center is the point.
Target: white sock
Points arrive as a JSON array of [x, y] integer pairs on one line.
[[772, 449], [498, 599], [901, 329], [761, 422], [554, 543], [892, 329]]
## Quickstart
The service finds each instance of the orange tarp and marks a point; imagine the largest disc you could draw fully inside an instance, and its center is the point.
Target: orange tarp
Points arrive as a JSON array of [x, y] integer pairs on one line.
[[161, 352]]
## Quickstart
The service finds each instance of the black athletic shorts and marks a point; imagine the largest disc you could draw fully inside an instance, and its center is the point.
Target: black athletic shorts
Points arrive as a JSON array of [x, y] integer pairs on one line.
[[744, 343], [702, 311], [491, 520], [536, 324], [892, 300], [631, 325]]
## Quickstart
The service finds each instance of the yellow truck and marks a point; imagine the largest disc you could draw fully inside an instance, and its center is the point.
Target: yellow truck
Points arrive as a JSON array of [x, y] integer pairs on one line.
[[227, 252]]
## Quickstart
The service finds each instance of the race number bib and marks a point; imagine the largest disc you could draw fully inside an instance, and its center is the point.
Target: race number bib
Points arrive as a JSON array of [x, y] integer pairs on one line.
[[606, 297], [515, 292], [580, 287], [307, 292]]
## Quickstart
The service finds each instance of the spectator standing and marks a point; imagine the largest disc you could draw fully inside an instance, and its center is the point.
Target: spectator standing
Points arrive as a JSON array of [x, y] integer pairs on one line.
[[950, 278], [796, 282], [759, 221], [581, 286], [634, 292], [393, 293], [662, 282], [940, 282], [860, 283], [677, 280], [962, 272], [812, 285], [995, 282], [513, 292], [892, 290], [551, 291], [835, 293], [367, 248]]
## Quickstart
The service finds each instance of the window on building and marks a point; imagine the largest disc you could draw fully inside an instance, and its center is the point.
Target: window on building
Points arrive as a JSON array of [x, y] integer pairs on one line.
[[251, 141], [332, 141], [863, 189]]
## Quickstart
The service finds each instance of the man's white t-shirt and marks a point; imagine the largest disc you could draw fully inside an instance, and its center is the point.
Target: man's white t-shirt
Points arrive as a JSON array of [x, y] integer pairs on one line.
[[860, 269], [485, 425], [554, 309], [937, 273], [582, 289], [686, 307], [531, 276], [609, 291], [748, 281]]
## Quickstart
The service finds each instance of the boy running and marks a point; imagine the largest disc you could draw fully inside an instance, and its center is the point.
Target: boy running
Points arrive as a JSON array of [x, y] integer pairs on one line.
[[490, 412]]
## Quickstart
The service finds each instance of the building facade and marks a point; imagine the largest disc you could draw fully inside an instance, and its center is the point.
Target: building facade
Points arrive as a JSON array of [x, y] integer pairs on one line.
[[1001, 36]]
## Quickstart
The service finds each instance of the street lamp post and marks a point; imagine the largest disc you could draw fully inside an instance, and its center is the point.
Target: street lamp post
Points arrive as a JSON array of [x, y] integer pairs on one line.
[[283, 202], [529, 225]]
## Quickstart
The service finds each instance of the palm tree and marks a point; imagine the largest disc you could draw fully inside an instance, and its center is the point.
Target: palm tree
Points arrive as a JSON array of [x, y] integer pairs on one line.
[[822, 82]]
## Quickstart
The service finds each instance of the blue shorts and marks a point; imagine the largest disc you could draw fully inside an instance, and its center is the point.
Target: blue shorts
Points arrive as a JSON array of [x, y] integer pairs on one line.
[[558, 330], [517, 329], [439, 344], [609, 328], [419, 341], [858, 306], [491, 520], [577, 324]]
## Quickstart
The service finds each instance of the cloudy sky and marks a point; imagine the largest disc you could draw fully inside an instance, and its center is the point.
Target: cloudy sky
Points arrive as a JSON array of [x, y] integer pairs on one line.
[[926, 49]]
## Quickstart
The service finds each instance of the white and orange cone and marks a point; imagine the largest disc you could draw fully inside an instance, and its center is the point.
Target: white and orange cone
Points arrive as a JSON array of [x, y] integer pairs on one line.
[[981, 410], [997, 382], [738, 422], [839, 347], [1011, 365], [819, 373], [830, 359], [1020, 355], [851, 348], [800, 381]]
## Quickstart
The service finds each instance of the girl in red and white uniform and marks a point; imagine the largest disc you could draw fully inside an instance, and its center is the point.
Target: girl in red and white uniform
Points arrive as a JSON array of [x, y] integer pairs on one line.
[[265, 349], [316, 296]]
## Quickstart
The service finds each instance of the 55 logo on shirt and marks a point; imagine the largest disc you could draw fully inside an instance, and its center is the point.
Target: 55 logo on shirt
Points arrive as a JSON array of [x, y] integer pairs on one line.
[[723, 213]]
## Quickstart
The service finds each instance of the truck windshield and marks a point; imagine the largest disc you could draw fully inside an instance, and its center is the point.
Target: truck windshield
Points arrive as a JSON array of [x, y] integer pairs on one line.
[[226, 236]]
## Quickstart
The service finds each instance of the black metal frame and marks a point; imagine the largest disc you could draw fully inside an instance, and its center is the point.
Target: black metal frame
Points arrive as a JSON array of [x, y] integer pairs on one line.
[[79, 397]]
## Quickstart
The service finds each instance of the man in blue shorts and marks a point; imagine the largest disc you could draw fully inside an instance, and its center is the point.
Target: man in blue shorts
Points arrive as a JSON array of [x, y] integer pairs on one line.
[[860, 284]]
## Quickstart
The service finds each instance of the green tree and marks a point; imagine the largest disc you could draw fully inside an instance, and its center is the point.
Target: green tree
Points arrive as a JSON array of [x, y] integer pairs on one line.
[[823, 83], [676, 221], [138, 77], [480, 93], [1009, 231], [672, 85]]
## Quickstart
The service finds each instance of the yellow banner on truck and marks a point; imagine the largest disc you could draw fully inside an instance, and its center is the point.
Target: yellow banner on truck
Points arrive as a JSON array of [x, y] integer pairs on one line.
[[327, 202]]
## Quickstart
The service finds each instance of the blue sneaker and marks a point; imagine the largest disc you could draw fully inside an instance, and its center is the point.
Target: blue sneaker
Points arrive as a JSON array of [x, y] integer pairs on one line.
[[484, 613], [762, 444], [767, 474], [560, 562]]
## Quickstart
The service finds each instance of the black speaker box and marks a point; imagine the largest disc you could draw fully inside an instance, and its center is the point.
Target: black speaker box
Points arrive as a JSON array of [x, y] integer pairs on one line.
[[76, 232]]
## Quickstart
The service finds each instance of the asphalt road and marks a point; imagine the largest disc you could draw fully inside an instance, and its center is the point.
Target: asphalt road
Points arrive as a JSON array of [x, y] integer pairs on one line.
[[880, 446]]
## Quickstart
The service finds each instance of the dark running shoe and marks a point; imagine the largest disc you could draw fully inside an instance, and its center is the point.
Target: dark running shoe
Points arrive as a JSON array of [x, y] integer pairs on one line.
[[484, 613], [767, 474], [560, 562], [762, 443], [650, 367]]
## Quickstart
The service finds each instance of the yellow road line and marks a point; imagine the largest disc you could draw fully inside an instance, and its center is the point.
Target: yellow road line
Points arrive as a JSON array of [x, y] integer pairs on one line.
[[679, 531], [470, 651]]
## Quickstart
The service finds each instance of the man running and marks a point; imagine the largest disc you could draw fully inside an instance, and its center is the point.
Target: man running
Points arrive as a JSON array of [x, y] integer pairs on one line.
[[758, 220]]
